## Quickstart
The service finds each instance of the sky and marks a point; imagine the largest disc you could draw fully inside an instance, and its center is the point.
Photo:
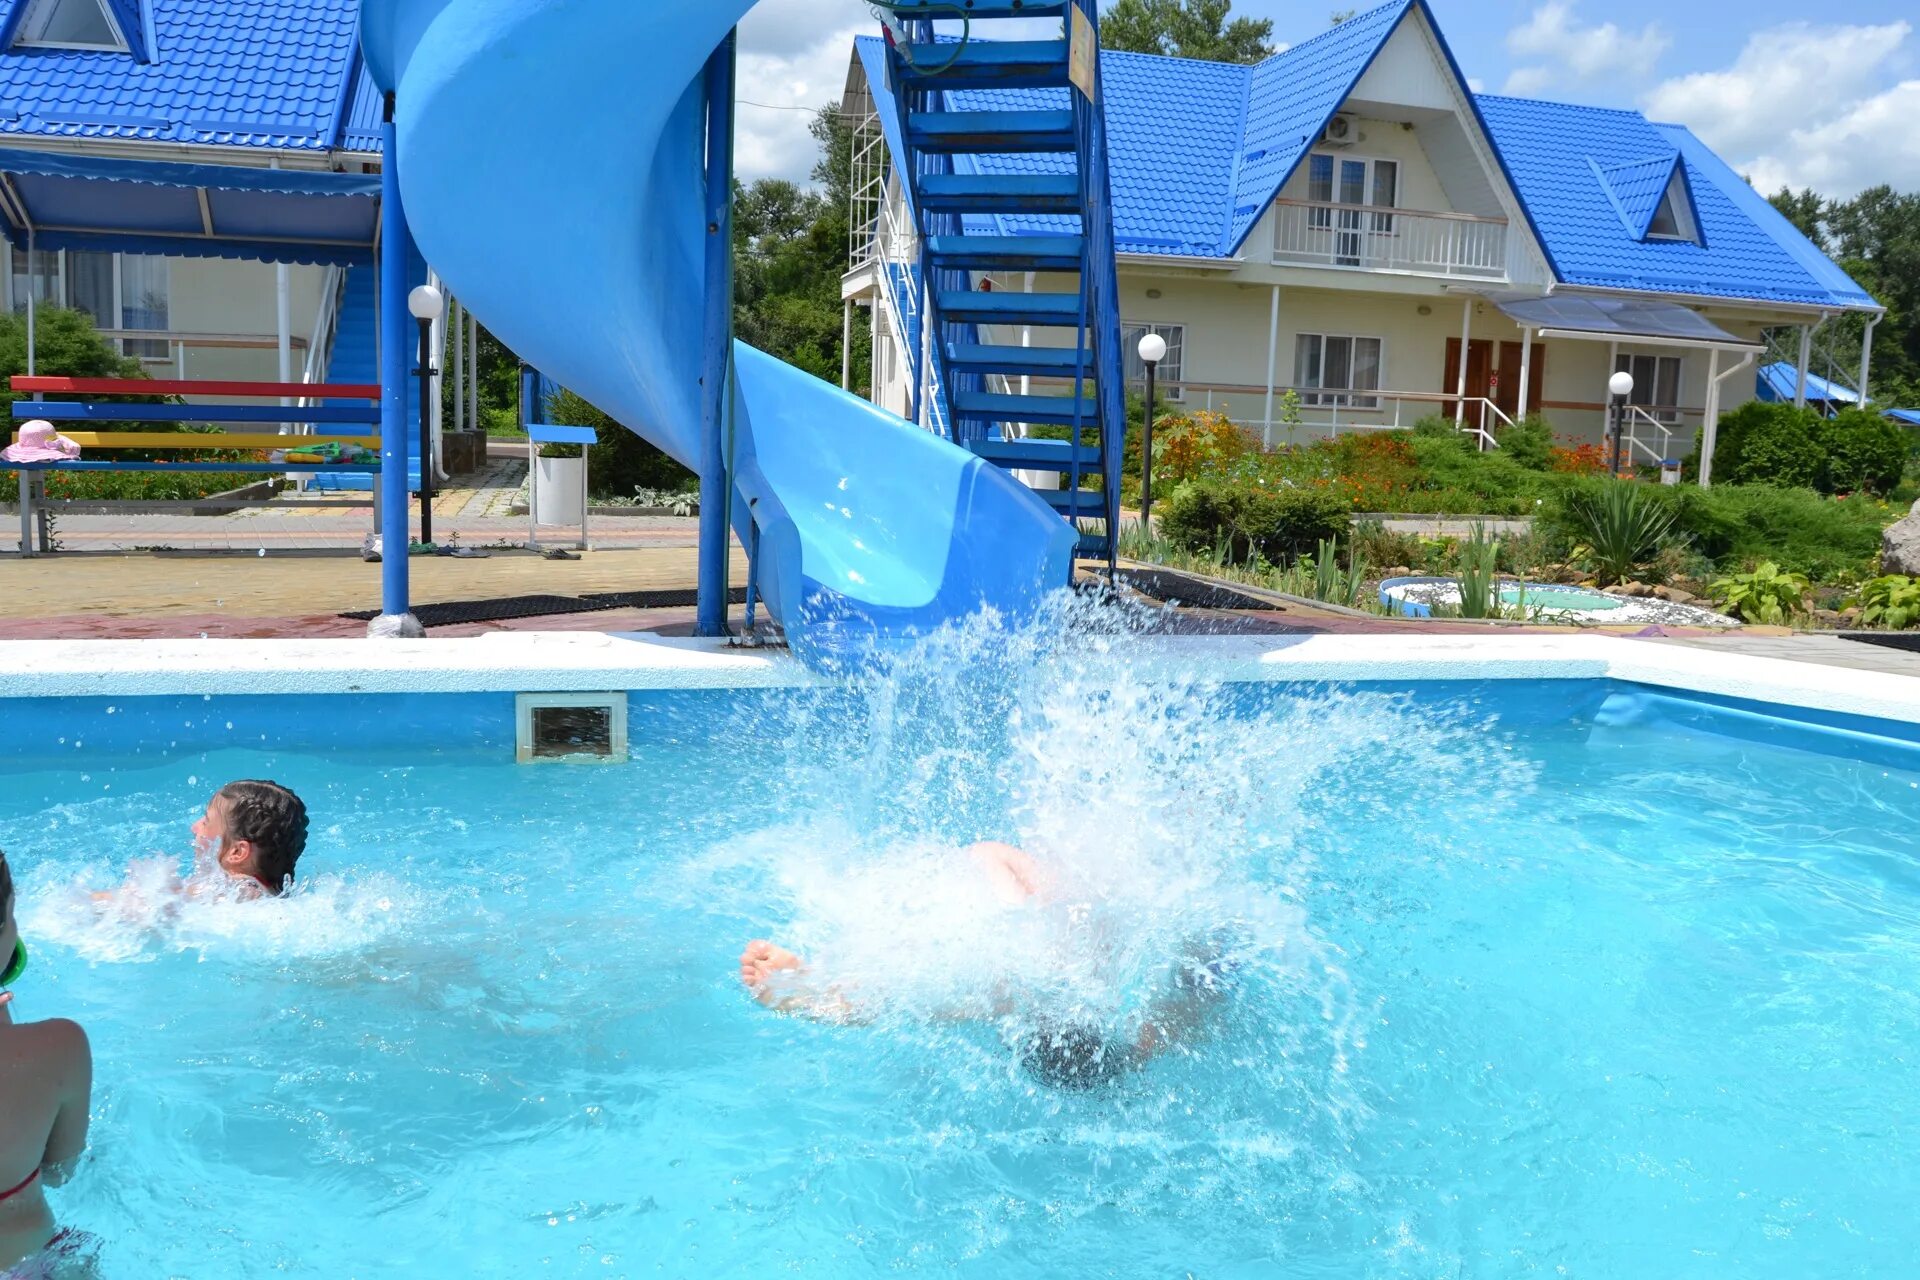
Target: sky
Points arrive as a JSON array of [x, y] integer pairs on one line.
[[1800, 95]]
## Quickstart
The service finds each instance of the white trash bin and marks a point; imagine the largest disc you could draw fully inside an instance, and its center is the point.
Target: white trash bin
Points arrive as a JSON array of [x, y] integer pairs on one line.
[[558, 491]]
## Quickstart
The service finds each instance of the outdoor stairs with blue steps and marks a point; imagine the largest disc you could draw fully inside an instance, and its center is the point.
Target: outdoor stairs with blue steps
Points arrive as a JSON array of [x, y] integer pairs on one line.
[[976, 169], [355, 361]]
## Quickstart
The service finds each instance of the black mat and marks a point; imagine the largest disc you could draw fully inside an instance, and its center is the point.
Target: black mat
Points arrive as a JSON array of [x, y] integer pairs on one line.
[[457, 612], [1908, 640], [1170, 587]]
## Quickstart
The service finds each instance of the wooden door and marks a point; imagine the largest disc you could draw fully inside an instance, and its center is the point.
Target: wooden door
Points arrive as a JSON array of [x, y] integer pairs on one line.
[[1506, 390], [1479, 372]]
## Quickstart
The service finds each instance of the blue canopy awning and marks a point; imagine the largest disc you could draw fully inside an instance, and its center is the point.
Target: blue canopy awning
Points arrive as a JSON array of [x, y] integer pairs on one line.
[[187, 210], [1909, 417], [1780, 382]]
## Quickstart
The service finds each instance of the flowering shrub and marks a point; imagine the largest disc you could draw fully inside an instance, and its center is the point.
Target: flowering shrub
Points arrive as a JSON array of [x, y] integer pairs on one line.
[[1199, 444]]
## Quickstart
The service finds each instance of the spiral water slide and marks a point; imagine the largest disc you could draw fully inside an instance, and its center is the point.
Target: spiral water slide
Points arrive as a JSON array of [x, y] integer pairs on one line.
[[551, 163]]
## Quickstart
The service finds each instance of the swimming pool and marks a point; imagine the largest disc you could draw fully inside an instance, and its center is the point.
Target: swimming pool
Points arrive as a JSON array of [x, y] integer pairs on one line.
[[1571, 976]]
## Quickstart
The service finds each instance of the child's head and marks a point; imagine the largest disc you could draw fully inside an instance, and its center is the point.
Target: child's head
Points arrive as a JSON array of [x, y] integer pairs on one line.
[[256, 829]]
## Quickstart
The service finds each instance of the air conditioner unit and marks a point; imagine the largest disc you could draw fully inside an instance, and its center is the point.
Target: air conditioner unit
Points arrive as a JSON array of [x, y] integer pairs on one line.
[[1341, 132]]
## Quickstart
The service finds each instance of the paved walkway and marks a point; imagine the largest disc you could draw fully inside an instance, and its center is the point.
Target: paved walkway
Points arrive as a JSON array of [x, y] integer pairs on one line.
[[1825, 650]]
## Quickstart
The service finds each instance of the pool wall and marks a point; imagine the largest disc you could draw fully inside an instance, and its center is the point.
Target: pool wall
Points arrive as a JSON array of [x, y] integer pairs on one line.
[[61, 702]]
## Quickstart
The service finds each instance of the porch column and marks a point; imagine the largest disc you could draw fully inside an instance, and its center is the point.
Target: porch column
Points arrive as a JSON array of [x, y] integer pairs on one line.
[[1866, 359], [1806, 357], [283, 327], [715, 483], [1526, 373], [457, 331], [1466, 344], [1710, 428], [846, 345], [473, 372], [27, 477], [1273, 356]]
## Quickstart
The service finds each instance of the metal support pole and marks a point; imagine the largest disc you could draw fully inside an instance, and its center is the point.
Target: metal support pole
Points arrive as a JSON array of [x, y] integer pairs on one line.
[[396, 617], [27, 547], [1273, 356], [715, 537], [457, 350], [1146, 457], [1618, 415], [473, 376], [1466, 345], [426, 430], [283, 326], [533, 457]]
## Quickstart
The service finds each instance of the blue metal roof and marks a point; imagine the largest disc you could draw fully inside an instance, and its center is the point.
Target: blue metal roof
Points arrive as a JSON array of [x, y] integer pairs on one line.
[[1201, 149], [1780, 382], [242, 73], [1907, 417]]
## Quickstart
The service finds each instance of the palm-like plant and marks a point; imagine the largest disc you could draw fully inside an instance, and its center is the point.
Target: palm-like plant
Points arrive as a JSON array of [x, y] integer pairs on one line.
[[1620, 525]]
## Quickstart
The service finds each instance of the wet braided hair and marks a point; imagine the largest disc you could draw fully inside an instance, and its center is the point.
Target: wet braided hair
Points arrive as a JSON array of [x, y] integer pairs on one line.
[[274, 820]]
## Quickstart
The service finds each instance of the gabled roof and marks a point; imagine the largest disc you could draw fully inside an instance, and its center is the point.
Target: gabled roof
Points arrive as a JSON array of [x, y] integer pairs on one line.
[[242, 73], [1571, 165], [1637, 188]]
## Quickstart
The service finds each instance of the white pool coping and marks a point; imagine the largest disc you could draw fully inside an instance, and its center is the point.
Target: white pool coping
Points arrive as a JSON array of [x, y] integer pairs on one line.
[[542, 662]]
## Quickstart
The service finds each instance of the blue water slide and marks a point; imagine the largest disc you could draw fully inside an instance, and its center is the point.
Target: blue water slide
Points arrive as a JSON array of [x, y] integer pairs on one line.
[[551, 159]]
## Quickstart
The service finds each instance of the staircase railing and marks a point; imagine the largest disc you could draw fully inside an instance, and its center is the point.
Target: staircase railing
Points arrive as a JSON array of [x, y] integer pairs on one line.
[[1100, 283], [896, 259], [326, 328], [1638, 418]]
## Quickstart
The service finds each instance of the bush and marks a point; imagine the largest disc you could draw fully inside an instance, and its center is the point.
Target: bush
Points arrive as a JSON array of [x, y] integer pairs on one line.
[[1765, 443], [1767, 595], [1865, 453], [1277, 525], [1192, 446], [1892, 602], [621, 462], [1529, 442]]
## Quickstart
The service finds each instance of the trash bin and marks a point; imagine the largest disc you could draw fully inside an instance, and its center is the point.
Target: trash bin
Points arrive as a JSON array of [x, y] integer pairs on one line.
[[1669, 471], [557, 491]]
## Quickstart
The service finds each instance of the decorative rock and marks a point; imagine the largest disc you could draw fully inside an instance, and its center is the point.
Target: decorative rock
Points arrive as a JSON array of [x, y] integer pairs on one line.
[[1900, 545], [1675, 594], [1634, 590]]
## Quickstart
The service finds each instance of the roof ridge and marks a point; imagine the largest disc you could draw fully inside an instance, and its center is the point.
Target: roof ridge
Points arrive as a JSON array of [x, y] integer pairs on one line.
[[1555, 102], [1335, 29]]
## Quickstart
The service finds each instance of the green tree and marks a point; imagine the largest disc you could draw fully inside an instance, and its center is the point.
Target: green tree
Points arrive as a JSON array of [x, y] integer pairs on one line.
[[1186, 29]]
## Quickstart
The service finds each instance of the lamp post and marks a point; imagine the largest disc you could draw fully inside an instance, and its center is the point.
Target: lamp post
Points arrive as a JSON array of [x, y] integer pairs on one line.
[[1621, 386], [1153, 349], [426, 304]]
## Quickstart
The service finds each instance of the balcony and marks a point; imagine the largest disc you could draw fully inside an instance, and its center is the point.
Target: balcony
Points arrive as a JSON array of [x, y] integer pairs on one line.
[[1367, 238]]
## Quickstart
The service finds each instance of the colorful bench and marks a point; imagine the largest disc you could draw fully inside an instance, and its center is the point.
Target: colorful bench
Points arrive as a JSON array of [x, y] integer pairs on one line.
[[332, 424]]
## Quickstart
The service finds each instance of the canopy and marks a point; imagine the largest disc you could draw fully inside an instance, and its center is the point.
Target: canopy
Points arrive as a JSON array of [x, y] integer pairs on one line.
[[1607, 319], [1910, 417], [1780, 381], [187, 210]]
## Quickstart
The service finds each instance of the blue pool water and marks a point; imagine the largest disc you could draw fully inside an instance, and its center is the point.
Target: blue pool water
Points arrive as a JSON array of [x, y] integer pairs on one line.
[[1527, 985]]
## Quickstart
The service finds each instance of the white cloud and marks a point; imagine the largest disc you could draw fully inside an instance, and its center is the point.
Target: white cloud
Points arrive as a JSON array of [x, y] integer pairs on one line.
[[1557, 47], [1791, 88], [793, 54], [1871, 141]]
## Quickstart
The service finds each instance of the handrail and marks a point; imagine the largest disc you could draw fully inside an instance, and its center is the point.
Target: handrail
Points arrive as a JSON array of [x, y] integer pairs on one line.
[[1636, 415], [1390, 209], [1100, 281], [180, 338]]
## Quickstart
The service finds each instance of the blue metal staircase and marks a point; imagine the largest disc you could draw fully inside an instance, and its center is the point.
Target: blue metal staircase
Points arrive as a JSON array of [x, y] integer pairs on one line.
[[982, 180]]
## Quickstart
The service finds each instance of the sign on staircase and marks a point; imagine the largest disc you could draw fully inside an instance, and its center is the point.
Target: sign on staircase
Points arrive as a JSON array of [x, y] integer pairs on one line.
[[1083, 51]]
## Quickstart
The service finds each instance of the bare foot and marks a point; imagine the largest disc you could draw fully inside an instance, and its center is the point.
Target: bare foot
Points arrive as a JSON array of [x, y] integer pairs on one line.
[[759, 962]]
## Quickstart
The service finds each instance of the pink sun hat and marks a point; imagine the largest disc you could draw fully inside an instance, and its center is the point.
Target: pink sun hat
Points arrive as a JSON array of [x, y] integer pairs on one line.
[[39, 442]]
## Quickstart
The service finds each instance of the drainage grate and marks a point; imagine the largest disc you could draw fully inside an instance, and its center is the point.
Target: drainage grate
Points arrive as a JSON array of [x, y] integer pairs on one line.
[[461, 611], [578, 728]]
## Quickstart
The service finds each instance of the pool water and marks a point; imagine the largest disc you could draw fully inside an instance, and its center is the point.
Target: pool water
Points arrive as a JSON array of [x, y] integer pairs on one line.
[[1575, 599], [1521, 988]]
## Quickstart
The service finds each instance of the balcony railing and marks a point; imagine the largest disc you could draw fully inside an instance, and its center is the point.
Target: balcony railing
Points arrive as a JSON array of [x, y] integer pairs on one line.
[[1368, 238]]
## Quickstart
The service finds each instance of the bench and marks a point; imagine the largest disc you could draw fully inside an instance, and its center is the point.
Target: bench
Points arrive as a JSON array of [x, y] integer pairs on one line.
[[331, 424]]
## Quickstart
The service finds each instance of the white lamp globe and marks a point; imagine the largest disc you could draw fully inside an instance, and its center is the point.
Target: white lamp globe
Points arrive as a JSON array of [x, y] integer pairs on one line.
[[426, 303], [1153, 348], [1621, 383]]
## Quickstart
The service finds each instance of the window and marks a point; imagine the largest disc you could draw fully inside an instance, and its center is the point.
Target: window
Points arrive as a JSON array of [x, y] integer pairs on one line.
[[1673, 220], [117, 290], [1355, 184], [1656, 384], [1171, 372], [71, 24], [1336, 370]]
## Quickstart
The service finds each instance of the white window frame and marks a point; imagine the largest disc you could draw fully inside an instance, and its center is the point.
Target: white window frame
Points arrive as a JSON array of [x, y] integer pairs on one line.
[[62, 297], [34, 25], [1348, 397], [1380, 223], [1687, 231], [1167, 385], [1643, 394]]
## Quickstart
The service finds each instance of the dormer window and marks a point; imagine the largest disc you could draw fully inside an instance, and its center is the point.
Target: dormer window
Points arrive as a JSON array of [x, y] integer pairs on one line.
[[1673, 220], [71, 24]]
